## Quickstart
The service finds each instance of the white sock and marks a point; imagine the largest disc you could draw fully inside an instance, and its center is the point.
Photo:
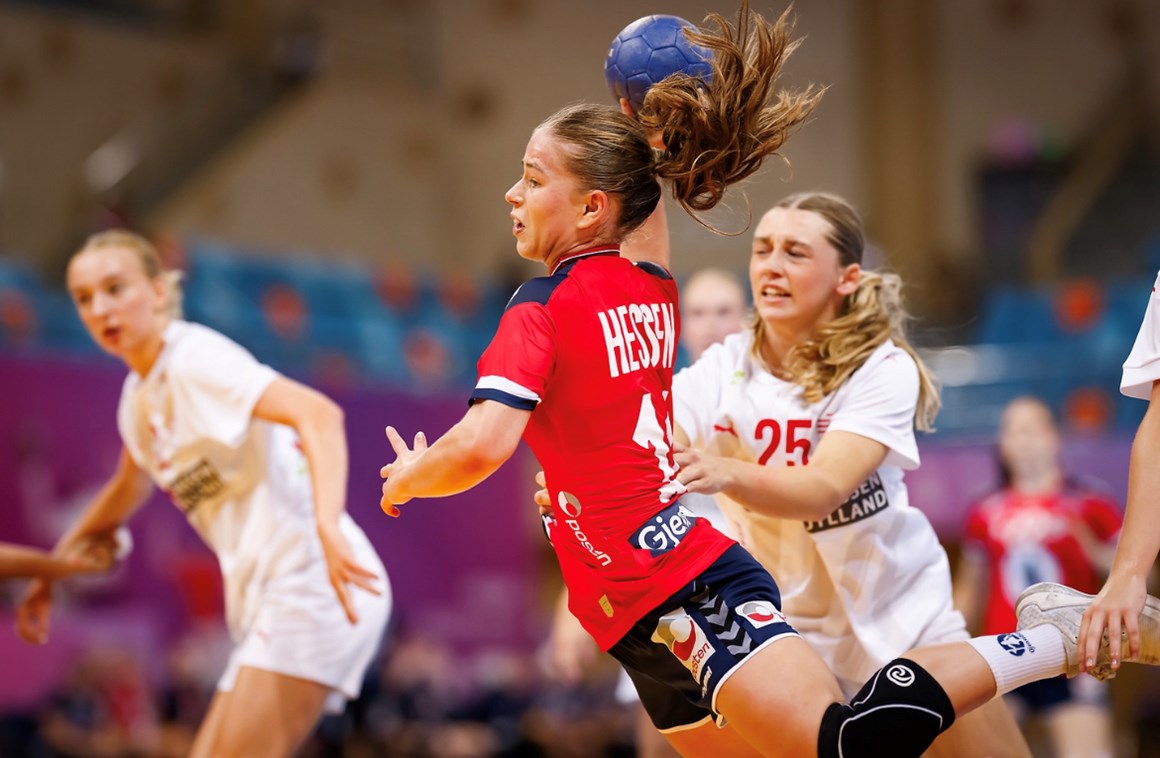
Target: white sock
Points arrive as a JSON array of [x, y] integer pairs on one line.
[[1020, 658]]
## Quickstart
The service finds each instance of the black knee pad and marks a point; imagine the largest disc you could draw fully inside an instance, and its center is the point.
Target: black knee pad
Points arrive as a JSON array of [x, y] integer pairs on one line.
[[898, 713]]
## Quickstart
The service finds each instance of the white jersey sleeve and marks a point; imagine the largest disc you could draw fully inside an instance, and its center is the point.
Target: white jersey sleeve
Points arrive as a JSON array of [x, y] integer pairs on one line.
[[879, 403], [697, 392], [217, 383], [1143, 365]]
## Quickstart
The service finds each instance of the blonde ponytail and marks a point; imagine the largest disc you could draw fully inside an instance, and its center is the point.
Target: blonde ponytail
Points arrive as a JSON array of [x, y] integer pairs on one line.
[[873, 314]]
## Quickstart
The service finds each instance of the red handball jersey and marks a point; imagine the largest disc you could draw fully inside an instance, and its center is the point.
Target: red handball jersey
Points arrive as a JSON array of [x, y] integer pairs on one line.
[[591, 348], [1033, 538]]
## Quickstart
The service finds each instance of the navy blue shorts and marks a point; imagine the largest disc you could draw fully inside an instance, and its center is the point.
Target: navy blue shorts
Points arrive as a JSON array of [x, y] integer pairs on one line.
[[681, 652]]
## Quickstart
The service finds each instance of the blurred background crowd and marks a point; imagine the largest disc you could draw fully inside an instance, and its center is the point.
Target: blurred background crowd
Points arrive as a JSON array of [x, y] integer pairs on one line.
[[330, 177]]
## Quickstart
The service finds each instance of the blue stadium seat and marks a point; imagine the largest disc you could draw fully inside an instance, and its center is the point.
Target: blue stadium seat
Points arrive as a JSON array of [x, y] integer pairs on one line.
[[1012, 315]]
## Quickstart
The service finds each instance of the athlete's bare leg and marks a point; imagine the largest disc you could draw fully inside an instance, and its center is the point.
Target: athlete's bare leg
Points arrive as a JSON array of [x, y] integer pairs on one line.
[[208, 731], [788, 679], [707, 741], [279, 713], [1080, 730], [777, 698], [961, 671], [649, 742], [989, 731]]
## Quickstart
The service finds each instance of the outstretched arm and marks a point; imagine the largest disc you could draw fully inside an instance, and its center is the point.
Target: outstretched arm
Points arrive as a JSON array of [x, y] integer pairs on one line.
[[123, 494], [20, 561], [468, 453], [839, 464], [319, 423], [1120, 602]]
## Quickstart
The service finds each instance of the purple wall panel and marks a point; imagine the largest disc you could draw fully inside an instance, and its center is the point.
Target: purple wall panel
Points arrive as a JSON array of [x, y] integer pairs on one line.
[[955, 473], [462, 568]]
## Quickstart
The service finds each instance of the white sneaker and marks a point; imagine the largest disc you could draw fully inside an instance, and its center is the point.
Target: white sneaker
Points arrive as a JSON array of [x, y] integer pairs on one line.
[[1063, 607]]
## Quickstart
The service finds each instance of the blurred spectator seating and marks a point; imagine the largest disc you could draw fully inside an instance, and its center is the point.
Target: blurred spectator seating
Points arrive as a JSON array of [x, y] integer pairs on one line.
[[1065, 343], [340, 321]]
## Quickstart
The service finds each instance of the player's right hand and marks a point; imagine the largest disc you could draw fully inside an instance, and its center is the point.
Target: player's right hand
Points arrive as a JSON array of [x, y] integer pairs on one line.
[[1116, 609], [344, 570], [32, 615], [655, 139], [94, 553]]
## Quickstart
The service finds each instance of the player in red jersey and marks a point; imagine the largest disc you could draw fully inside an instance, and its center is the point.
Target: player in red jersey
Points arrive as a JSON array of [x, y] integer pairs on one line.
[[1039, 526], [580, 367]]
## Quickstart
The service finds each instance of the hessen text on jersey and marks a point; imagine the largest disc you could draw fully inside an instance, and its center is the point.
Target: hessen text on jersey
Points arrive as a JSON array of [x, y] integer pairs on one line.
[[641, 335]]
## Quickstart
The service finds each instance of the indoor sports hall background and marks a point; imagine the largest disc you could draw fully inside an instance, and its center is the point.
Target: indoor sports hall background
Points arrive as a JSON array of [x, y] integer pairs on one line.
[[330, 175]]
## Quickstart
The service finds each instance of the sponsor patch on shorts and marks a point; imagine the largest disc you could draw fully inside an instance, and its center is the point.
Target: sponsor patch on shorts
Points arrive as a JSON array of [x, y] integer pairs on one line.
[[685, 638]]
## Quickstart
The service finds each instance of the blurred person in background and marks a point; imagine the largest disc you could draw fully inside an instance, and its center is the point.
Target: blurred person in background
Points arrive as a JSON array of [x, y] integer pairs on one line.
[[713, 306], [258, 463], [104, 709], [1040, 525], [1117, 608]]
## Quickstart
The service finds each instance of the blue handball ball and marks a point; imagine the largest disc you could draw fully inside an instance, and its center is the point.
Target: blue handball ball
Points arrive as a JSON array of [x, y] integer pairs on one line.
[[648, 50]]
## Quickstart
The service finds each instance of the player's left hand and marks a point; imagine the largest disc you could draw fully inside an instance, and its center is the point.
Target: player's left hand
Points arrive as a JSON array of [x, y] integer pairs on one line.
[[701, 472], [393, 494], [1116, 613], [344, 570]]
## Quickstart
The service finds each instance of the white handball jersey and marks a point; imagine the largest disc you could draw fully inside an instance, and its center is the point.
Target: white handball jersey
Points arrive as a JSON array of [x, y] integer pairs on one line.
[[869, 581], [1143, 365], [243, 484]]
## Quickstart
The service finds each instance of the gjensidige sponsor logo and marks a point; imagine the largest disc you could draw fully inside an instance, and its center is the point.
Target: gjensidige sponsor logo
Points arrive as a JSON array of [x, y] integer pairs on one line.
[[664, 531]]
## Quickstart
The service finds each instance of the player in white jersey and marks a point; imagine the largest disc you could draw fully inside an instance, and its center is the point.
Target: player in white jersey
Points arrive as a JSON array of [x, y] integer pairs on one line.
[[824, 376], [1118, 605], [258, 463]]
